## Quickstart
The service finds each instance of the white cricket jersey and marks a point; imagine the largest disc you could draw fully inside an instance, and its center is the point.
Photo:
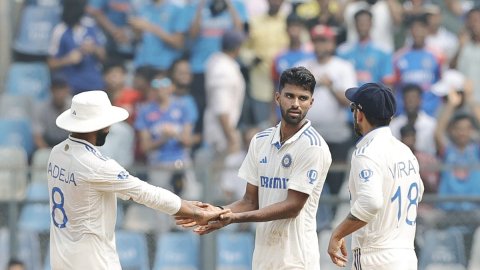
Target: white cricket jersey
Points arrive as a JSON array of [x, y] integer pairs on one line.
[[300, 164], [83, 186], [385, 189]]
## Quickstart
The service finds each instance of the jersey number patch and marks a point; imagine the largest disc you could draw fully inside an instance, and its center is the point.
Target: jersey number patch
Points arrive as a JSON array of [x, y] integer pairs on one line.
[[412, 201]]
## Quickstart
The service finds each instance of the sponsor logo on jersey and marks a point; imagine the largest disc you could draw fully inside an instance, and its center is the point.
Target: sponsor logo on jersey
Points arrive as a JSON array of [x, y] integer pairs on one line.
[[264, 160], [365, 175], [312, 175], [286, 161], [122, 175], [273, 182]]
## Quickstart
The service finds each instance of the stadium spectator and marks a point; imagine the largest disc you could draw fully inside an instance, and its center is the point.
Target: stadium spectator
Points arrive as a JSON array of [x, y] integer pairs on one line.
[[46, 134], [469, 51], [267, 37], [415, 63], [114, 75], [372, 64], [386, 15], [211, 18], [329, 115], [112, 16], [76, 49], [460, 152], [181, 75], [165, 131], [161, 27], [141, 81], [428, 162], [439, 38], [225, 92], [413, 114]]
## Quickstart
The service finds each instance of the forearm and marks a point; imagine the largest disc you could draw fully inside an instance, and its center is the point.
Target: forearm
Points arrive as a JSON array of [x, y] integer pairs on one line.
[[349, 225], [396, 11], [237, 22], [281, 210], [243, 205], [103, 21], [100, 53], [56, 63], [174, 40], [196, 25], [228, 131]]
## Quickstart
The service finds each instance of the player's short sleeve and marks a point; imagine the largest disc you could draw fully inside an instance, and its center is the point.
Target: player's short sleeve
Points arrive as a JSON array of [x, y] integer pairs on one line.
[[309, 169], [249, 169], [367, 178]]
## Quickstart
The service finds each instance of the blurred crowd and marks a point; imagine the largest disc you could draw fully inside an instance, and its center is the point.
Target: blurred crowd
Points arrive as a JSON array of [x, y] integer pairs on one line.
[[201, 74]]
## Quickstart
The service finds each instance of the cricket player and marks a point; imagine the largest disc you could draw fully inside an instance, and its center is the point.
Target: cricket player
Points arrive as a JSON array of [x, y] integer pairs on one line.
[[385, 189], [84, 185], [285, 168]]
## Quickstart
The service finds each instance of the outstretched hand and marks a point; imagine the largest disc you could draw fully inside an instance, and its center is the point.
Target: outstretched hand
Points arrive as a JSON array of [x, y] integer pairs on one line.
[[205, 213], [224, 220]]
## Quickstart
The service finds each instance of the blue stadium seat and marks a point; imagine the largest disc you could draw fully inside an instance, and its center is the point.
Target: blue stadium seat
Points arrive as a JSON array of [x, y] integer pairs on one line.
[[17, 132], [13, 171], [35, 217], [28, 79], [442, 247], [177, 251], [15, 106], [28, 249], [35, 29], [38, 191], [39, 165], [47, 3], [234, 250], [132, 250]]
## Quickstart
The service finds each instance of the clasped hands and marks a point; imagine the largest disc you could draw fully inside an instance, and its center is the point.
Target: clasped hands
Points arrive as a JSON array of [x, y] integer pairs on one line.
[[213, 219]]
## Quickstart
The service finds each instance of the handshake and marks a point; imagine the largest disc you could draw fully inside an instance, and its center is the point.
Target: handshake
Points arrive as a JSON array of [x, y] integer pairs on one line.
[[206, 218]]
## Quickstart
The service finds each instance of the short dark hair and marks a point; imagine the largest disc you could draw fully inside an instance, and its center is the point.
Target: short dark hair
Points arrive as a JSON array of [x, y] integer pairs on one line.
[[183, 58], [293, 19], [420, 18], [461, 116], [58, 81], [377, 122], [15, 261], [411, 87], [146, 72], [408, 129], [113, 63], [298, 76], [471, 11], [362, 12]]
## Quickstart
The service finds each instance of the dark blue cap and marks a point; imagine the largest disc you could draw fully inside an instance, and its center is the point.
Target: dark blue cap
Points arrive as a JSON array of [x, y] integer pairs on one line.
[[232, 39], [375, 100]]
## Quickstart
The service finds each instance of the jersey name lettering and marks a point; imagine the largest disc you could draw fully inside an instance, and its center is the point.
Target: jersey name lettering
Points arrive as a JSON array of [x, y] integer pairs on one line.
[[61, 174], [273, 182], [402, 169]]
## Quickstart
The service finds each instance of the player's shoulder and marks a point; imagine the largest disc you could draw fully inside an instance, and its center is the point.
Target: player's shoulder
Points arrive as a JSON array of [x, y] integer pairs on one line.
[[311, 137], [265, 134]]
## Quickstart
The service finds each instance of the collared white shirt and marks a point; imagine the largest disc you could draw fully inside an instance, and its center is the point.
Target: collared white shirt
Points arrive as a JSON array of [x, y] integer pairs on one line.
[[83, 187], [300, 164], [385, 189], [225, 90]]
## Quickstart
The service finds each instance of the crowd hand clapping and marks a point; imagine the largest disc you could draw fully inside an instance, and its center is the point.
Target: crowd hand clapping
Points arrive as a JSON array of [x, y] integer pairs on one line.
[[75, 57]]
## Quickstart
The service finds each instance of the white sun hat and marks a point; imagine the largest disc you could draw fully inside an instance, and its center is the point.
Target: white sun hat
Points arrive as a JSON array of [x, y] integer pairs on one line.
[[90, 111]]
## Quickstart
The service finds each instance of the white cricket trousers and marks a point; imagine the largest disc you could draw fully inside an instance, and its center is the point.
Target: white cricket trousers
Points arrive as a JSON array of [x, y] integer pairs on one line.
[[384, 259]]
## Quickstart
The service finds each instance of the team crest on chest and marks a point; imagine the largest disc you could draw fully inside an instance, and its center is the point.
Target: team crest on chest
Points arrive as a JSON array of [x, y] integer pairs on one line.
[[286, 161]]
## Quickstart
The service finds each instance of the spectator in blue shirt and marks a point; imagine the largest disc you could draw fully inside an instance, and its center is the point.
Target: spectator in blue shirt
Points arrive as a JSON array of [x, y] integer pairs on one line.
[[165, 130], [460, 152], [161, 26], [76, 49], [417, 64]]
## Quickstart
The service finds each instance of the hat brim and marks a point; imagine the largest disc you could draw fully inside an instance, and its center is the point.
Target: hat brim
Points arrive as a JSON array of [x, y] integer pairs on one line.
[[350, 93], [111, 116]]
